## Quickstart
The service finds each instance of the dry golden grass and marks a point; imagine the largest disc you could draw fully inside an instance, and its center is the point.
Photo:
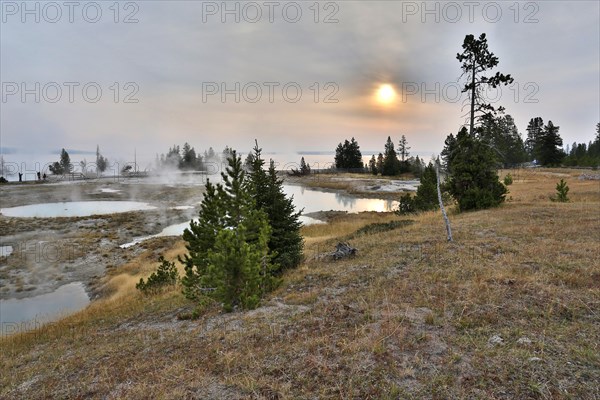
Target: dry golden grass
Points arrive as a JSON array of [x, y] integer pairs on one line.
[[410, 316], [344, 224], [121, 282], [535, 185]]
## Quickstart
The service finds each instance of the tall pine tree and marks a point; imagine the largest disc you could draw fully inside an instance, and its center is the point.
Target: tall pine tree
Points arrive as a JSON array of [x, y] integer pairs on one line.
[[238, 270], [391, 164], [426, 198], [502, 135], [63, 166], [373, 165], [201, 237], [228, 256], [550, 146], [101, 162], [348, 155], [475, 60], [449, 149], [286, 243], [379, 163], [534, 133], [474, 181]]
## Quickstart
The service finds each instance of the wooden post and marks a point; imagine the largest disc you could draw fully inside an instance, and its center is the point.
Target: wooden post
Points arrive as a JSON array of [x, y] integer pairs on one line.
[[439, 191]]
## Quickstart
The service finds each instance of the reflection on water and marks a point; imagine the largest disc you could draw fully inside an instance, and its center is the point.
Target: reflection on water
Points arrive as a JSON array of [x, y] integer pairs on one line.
[[24, 314], [75, 209], [310, 221], [171, 230], [345, 201], [110, 190], [314, 200], [309, 200]]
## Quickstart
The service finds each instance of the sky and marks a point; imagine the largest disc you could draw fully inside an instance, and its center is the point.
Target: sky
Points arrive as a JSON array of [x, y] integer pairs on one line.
[[298, 76]]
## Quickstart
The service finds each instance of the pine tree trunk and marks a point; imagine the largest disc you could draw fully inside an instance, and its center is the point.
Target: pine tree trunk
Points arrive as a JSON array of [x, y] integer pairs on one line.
[[472, 99], [439, 192]]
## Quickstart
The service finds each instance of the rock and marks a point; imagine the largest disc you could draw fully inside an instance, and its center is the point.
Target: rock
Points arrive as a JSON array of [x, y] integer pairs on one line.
[[535, 359], [524, 340], [589, 177], [496, 340], [343, 250]]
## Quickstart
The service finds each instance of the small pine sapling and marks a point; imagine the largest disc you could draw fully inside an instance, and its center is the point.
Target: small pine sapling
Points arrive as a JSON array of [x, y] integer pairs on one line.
[[165, 275], [562, 189]]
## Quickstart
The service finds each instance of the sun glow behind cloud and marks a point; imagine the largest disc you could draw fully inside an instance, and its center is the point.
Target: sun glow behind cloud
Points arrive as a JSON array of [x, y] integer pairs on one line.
[[386, 95]]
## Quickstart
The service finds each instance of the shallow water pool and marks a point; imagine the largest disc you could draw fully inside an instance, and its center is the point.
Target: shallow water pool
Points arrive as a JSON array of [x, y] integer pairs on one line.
[[75, 209], [18, 315], [171, 230], [309, 200], [315, 200]]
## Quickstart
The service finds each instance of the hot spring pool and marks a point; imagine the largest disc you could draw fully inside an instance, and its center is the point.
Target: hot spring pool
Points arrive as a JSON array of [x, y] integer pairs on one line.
[[18, 315], [75, 209]]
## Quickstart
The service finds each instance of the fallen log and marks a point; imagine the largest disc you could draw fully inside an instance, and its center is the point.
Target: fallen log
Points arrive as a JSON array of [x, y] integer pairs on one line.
[[343, 250]]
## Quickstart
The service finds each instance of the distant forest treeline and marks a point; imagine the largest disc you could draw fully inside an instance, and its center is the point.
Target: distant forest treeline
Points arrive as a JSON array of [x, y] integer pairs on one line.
[[185, 158], [543, 146]]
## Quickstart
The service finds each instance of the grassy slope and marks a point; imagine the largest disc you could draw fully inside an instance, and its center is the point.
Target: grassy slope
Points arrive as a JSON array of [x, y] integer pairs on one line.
[[409, 317]]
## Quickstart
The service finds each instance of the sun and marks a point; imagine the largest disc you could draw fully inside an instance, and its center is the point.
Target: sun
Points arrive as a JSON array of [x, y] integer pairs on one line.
[[386, 94]]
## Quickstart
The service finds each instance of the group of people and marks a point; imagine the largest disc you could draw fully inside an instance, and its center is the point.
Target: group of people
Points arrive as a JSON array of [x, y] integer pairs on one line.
[[39, 176]]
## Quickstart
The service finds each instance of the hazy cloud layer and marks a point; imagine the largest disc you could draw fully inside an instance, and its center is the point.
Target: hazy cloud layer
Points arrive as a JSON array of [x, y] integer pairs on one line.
[[178, 48]]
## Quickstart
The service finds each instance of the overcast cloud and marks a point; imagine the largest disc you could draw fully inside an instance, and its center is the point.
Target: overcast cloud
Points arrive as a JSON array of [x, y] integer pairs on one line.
[[178, 48]]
